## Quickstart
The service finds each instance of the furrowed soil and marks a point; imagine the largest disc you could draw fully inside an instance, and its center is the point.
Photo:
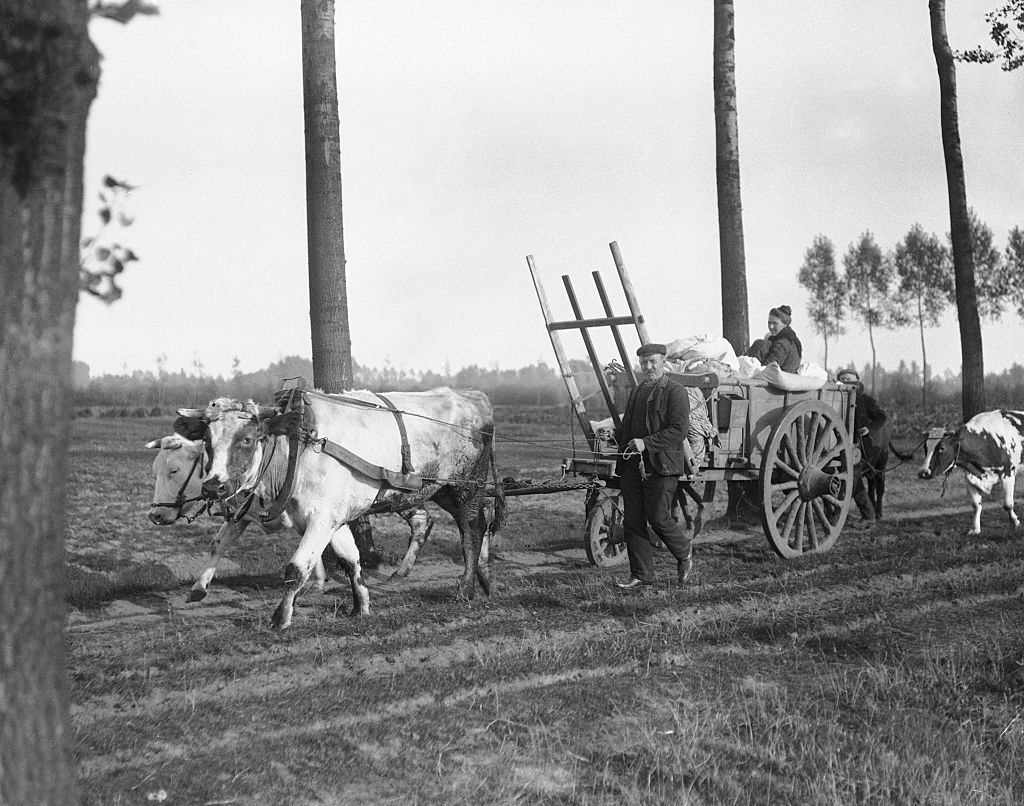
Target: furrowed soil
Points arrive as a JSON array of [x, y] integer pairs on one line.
[[887, 670]]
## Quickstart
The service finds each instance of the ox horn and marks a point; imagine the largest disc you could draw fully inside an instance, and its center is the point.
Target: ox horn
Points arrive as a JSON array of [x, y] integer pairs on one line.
[[197, 413]]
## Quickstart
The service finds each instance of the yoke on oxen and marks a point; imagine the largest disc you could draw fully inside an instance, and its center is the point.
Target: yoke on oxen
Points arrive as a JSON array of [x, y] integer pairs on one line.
[[296, 420]]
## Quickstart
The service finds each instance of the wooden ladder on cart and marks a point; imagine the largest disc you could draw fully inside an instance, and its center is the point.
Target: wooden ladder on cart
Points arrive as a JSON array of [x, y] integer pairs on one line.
[[584, 325]]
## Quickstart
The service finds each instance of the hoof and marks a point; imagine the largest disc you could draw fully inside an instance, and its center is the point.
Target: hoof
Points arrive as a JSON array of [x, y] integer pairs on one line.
[[196, 595], [280, 621]]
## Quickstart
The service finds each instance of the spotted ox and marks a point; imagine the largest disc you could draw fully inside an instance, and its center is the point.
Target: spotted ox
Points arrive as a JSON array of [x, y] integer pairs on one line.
[[989, 448], [448, 435], [178, 479]]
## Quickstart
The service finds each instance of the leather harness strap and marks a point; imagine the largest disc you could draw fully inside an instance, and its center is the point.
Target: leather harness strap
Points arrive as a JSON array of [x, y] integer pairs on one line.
[[292, 401], [407, 467], [302, 431], [280, 502], [400, 481]]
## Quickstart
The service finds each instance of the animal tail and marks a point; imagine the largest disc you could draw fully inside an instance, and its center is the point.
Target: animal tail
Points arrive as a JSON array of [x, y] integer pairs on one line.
[[498, 518], [906, 457]]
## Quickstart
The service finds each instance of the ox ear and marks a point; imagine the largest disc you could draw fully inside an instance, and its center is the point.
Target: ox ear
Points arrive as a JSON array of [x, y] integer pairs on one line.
[[191, 428]]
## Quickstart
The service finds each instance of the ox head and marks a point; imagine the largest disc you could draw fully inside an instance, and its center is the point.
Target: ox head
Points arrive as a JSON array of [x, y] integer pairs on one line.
[[939, 453], [177, 471], [235, 434]]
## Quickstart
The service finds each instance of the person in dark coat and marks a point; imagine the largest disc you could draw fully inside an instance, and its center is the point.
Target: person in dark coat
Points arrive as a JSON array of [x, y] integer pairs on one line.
[[871, 432], [652, 436], [780, 345]]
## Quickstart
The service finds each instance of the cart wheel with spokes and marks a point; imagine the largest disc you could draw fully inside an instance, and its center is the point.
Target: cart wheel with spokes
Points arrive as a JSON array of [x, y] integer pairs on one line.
[[806, 480], [603, 529]]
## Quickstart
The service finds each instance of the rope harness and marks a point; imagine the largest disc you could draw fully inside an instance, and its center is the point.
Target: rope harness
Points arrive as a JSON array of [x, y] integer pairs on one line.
[[873, 469], [629, 453], [948, 470]]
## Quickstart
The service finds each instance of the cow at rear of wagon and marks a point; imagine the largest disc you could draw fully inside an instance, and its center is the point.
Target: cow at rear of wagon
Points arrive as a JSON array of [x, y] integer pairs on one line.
[[989, 448], [337, 457]]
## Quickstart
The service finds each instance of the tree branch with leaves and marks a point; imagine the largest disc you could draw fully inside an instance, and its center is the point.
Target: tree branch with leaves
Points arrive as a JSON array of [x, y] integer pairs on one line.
[[828, 291], [103, 259], [869, 276], [924, 271], [1006, 27], [992, 280]]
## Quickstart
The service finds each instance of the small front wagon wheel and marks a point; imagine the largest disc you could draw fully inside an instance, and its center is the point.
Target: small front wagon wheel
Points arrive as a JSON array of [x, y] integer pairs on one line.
[[806, 480], [603, 529]]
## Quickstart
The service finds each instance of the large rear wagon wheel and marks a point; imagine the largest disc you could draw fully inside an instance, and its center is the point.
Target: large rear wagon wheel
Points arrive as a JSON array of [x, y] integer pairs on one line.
[[603, 529], [806, 480]]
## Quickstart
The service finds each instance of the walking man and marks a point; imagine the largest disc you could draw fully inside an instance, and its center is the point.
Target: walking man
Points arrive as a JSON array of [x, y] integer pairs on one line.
[[654, 428]]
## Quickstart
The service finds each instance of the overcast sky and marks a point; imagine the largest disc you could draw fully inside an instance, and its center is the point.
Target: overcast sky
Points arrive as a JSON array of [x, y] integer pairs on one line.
[[476, 133]]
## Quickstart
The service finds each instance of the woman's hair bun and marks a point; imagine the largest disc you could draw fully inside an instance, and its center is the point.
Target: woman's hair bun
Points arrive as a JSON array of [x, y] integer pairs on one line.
[[786, 310]]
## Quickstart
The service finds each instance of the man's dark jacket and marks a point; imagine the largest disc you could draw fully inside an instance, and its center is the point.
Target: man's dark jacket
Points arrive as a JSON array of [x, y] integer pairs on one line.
[[667, 419]]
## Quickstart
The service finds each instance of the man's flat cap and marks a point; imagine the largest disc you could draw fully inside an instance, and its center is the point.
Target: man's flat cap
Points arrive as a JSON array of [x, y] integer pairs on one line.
[[652, 349]]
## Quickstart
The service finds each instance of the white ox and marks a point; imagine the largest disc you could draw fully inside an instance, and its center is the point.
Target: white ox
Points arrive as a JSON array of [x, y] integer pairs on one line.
[[178, 478], [989, 448], [450, 439]]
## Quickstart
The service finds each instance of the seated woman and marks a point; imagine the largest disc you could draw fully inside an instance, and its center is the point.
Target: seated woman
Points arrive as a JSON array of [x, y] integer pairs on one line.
[[780, 344]]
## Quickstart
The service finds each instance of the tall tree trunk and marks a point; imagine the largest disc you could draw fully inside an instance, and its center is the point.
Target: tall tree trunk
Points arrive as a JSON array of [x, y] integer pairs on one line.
[[49, 75], [874, 360], [826, 351], [325, 233], [735, 311], [972, 357], [328, 299]]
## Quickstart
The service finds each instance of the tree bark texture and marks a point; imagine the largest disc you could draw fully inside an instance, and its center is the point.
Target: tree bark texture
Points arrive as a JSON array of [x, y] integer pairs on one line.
[[48, 76], [328, 296], [972, 356], [735, 311]]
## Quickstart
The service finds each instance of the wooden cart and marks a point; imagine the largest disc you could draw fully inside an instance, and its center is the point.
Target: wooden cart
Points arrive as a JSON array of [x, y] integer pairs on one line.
[[790, 451]]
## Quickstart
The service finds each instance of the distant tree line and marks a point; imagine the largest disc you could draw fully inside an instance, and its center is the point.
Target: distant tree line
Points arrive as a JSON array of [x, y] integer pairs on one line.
[[147, 393], [142, 391], [910, 285]]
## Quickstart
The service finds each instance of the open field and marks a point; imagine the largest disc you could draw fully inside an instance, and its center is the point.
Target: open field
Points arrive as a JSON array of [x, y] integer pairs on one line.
[[889, 670]]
